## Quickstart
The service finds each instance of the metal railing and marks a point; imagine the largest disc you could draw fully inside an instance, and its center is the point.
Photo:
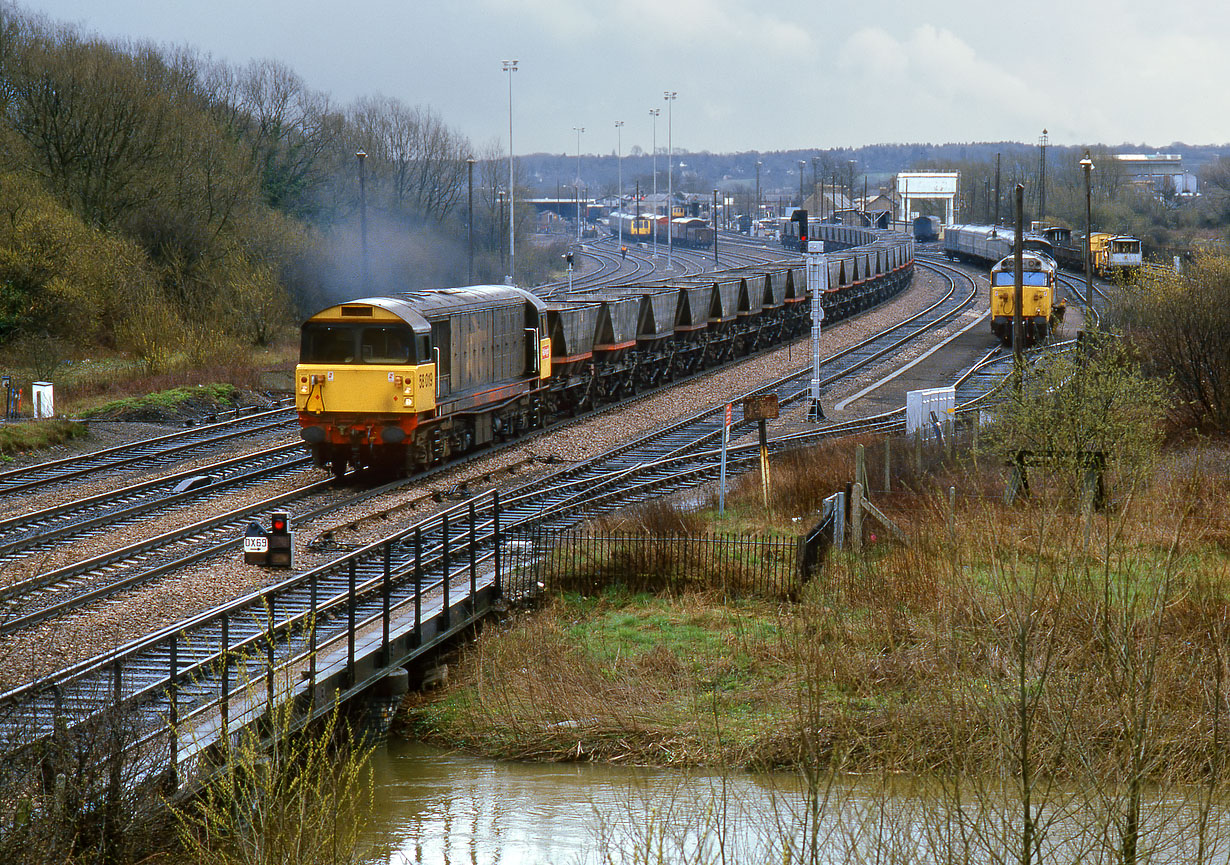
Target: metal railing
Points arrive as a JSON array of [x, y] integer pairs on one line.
[[589, 560]]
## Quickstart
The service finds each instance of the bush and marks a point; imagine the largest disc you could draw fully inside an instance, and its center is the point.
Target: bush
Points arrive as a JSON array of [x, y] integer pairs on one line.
[[1178, 326], [1072, 406]]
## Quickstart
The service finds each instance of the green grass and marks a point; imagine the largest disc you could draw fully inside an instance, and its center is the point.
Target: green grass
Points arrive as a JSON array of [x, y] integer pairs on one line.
[[172, 400], [35, 435]]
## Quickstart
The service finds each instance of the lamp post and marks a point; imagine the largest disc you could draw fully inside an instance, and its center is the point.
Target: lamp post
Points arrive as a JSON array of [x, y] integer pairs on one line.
[[756, 216], [619, 159], [669, 96], [714, 214], [802, 198], [510, 66], [470, 217], [1087, 164], [850, 177], [1042, 142], [815, 183], [654, 112], [363, 274], [578, 130]]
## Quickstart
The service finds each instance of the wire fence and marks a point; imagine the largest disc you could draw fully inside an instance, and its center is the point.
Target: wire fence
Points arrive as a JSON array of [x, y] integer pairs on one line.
[[584, 560]]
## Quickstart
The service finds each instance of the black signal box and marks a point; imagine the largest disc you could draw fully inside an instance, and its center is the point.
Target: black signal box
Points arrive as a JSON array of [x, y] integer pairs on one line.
[[270, 549], [281, 541]]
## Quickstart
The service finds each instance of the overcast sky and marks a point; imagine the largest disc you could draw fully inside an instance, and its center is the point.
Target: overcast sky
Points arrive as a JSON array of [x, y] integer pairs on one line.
[[750, 74]]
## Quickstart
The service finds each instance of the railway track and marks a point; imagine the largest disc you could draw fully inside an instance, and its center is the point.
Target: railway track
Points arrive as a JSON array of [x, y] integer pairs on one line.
[[395, 570], [612, 266], [35, 531], [62, 589], [151, 453]]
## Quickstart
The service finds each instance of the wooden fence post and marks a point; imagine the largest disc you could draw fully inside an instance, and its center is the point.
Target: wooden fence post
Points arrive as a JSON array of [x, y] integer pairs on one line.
[[856, 517], [888, 464]]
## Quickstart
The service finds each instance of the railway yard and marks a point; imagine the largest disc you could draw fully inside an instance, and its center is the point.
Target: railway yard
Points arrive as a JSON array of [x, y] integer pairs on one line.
[[406, 460], [130, 556]]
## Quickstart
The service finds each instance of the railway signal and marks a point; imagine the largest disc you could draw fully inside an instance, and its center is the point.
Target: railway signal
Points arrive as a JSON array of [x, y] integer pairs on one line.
[[281, 541], [800, 216], [817, 286], [270, 549]]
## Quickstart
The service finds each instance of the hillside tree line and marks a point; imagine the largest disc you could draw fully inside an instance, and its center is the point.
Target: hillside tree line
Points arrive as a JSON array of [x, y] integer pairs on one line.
[[160, 203]]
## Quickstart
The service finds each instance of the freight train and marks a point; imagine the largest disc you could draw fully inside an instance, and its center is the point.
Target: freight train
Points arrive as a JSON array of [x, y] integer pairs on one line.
[[1040, 307], [689, 231], [403, 381]]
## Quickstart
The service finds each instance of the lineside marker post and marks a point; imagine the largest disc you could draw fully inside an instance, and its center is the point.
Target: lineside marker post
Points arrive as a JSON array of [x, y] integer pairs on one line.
[[764, 465]]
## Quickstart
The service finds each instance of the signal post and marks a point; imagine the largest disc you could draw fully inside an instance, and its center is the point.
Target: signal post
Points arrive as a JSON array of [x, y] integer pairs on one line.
[[817, 284]]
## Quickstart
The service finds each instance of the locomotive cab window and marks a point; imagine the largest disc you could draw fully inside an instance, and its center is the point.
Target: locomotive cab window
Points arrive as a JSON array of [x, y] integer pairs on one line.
[[350, 343], [328, 343], [386, 344]]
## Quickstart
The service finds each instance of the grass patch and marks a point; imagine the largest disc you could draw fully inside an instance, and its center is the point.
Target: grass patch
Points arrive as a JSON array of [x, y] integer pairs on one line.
[[622, 677], [36, 435], [166, 403]]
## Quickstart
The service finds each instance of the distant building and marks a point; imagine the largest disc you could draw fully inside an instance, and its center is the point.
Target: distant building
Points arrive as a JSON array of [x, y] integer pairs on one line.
[[822, 205], [1161, 171]]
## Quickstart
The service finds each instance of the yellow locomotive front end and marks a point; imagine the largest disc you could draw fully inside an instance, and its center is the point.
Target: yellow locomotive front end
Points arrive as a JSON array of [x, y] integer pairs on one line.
[[1038, 301], [365, 381]]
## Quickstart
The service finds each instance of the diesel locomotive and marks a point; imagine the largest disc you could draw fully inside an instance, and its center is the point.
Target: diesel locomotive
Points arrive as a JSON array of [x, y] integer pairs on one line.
[[403, 381], [1040, 307]]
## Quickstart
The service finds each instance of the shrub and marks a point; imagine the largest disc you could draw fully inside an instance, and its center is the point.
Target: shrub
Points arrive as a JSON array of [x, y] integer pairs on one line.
[[1177, 324]]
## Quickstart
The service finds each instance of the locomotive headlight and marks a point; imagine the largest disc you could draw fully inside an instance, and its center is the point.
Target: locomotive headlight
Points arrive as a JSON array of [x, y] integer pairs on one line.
[[397, 381], [409, 402]]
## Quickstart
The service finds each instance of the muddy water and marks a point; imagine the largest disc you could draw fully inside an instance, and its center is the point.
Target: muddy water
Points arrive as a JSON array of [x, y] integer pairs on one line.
[[436, 807]]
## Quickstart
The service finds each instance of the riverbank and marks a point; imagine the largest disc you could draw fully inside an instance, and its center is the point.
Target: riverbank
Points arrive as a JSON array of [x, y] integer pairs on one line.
[[997, 637]]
